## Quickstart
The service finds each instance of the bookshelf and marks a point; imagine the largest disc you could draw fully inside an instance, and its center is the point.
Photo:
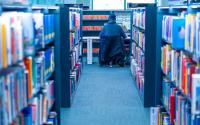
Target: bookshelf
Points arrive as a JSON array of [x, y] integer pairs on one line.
[[68, 48], [145, 54], [27, 65], [179, 63]]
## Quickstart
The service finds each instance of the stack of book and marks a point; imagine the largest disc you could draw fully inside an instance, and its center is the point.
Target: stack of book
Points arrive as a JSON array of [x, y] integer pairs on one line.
[[139, 38], [139, 18], [75, 28]]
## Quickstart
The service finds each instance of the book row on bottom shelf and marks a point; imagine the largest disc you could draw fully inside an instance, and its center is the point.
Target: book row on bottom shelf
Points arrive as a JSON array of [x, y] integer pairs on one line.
[[76, 69], [16, 106], [175, 108], [138, 76]]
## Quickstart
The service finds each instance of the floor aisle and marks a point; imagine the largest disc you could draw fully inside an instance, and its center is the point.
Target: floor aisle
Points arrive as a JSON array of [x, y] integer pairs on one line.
[[106, 96]]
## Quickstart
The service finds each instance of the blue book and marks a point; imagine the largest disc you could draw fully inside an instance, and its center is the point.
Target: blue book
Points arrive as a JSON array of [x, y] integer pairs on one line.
[[49, 28], [53, 26], [45, 28], [178, 33], [27, 112]]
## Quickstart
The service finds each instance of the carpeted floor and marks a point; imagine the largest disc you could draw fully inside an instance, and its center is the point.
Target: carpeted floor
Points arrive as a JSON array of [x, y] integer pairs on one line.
[[106, 96]]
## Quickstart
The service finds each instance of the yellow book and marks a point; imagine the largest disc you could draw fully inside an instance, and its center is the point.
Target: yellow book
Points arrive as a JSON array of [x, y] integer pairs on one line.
[[4, 47]]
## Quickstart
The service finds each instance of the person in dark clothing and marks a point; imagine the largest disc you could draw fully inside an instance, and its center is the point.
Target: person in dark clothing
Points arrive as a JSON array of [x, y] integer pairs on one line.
[[111, 43]]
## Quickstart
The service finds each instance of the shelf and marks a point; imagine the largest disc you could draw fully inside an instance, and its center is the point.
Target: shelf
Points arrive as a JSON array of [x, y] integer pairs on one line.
[[173, 83], [40, 48], [165, 41], [91, 30], [139, 94], [139, 28], [10, 68], [138, 45], [95, 20], [194, 5], [49, 75], [173, 7], [15, 6], [166, 108]]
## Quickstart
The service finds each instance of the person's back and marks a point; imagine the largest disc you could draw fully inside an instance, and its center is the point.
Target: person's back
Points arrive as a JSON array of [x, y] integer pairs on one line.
[[112, 46]]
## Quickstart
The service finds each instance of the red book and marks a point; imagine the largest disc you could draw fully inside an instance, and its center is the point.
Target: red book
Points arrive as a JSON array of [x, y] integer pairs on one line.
[[172, 109], [185, 61], [192, 71]]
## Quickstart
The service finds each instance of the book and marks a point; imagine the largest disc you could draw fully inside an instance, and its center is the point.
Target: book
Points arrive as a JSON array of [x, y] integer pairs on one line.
[[38, 23], [178, 33], [190, 35], [154, 115], [28, 34], [197, 32], [28, 63], [195, 94]]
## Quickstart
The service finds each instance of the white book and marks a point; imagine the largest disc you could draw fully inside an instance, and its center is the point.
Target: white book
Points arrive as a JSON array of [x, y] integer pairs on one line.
[[154, 115], [38, 19], [19, 37], [28, 34], [195, 93], [197, 49], [172, 65]]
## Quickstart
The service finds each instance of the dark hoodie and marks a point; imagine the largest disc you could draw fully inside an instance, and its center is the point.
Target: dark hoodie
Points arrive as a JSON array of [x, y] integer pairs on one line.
[[112, 28]]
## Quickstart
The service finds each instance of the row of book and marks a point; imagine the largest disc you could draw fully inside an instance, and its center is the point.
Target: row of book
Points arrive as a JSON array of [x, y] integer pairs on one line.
[[75, 56], [176, 104], [42, 104], [95, 17], [14, 87], [179, 68], [183, 32], [139, 18], [181, 109], [92, 28], [74, 78], [138, 76], [75, 34], [138, 55], [139, 37], [39, 70], [21, 33]]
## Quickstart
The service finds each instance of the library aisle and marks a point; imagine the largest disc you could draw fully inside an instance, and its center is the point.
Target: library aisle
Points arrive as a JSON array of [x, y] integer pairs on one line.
[[106, 96]]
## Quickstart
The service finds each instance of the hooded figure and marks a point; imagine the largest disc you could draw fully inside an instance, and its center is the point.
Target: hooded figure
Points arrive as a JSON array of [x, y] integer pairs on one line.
[[111, 43]]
